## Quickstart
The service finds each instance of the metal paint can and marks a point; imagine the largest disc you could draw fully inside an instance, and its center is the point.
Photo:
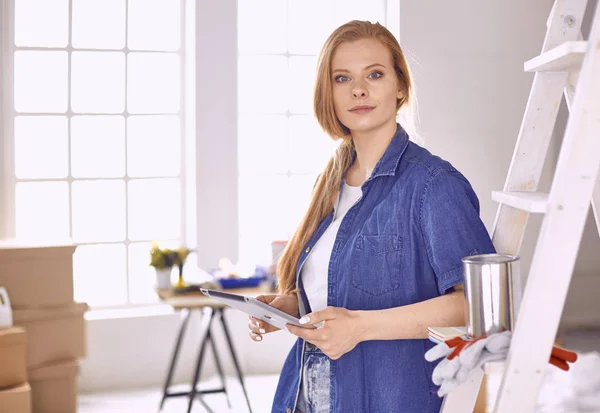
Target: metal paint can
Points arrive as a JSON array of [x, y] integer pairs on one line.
[[492, 293]]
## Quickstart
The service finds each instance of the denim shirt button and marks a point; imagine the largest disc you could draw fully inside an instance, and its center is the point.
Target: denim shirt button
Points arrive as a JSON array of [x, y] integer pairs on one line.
[[288, 410], [307, 250]]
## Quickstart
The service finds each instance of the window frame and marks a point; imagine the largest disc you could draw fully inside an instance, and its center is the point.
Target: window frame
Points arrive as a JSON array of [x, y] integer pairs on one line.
[[8, 179], [7, 183]]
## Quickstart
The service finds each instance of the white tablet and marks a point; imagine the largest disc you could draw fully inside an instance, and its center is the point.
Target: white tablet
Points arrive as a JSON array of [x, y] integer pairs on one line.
[[255, 308]]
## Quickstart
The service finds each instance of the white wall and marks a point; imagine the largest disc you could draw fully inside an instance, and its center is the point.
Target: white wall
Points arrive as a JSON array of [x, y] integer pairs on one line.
[[468, 64], [216, 131], [467, 57]]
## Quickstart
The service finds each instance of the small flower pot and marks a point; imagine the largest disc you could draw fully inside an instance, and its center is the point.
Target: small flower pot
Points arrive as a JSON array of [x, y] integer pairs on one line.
[[163, 278]]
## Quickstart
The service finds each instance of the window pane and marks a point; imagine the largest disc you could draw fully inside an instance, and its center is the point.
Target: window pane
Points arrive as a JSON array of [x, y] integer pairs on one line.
[[142, 276], [42, 23], [372, 10], [262, 26], [263, 84], [262, 221], [311, 146], [154, 208], [154, 25], [98, 146], [300, 192], [153, 83], [99, 24], [263, 144], [99, 274], [41, 147], [98, 82], [303, 70], [153, 146], [41, 81], [42, 210], [98, 211], [310, 23]]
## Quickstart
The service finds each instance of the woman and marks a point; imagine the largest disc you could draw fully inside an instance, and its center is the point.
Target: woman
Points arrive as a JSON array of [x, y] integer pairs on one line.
[[377, 257]]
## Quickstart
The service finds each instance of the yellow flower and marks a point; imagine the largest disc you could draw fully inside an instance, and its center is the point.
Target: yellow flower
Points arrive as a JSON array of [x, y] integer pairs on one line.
[[182, 254], [166, 257]]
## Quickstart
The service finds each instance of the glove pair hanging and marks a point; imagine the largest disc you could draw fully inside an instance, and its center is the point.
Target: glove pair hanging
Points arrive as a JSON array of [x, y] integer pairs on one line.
[[462, 356]]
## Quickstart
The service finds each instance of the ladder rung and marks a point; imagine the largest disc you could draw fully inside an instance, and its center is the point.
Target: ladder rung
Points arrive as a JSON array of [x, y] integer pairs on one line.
[[567, 56], [534, 202]]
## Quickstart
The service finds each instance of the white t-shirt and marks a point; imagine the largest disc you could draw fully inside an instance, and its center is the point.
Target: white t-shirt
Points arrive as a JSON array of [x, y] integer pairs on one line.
[[315, 269]]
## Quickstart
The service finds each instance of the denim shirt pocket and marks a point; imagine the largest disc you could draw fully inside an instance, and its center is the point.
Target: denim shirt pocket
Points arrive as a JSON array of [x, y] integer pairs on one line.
[[376, 263]]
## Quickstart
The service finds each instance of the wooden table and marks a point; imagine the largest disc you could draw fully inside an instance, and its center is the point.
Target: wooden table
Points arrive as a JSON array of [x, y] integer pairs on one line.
[[211, 309], [198, 300]]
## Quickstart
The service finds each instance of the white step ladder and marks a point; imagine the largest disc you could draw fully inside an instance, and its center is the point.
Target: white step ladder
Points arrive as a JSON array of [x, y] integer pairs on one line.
[[570, 66]]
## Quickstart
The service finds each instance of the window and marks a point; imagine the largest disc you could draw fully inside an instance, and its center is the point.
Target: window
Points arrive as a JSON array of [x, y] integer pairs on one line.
[[99, 151], [95, 131], [281, 147]]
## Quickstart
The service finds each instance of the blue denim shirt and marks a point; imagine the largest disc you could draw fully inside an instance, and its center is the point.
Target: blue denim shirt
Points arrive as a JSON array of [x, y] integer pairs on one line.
[[400, 244]]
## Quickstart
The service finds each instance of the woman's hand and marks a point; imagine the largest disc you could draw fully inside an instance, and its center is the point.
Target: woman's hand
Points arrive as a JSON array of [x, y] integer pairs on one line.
[[285, 303], [340, 332]]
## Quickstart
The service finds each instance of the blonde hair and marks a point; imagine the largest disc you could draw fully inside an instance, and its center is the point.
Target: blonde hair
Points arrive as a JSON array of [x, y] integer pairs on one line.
[[327, 186]]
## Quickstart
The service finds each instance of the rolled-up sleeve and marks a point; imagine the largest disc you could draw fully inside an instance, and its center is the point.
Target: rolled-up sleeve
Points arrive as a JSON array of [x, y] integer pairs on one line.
[[451, 226]]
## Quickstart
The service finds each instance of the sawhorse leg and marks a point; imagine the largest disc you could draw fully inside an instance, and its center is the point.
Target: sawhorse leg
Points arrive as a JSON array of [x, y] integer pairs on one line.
[[206, 337], [220, 370], [185, 318], [207, 317]]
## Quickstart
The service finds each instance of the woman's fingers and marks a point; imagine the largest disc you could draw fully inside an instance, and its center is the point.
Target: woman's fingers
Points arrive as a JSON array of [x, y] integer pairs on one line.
[[261, 326], [254, 329], [252, 326], [255, 337]]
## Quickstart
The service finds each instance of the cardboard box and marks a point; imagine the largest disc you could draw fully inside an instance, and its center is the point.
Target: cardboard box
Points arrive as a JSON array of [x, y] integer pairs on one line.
[[53, 334], [37, 276], [54, 388], [13, 371], [16, 399]]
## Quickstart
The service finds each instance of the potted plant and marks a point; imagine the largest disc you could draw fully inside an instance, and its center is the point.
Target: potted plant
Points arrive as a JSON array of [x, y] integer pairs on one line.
[[163, 260]]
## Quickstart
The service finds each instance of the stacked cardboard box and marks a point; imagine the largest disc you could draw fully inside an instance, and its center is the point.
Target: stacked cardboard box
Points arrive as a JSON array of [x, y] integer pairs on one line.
[[39, 281], [15, 393]]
